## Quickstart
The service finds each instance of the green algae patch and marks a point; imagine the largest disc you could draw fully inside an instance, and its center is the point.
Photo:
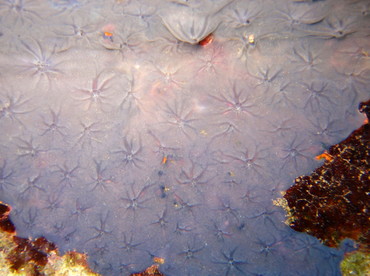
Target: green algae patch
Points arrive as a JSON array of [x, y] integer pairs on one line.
[[356, 264]]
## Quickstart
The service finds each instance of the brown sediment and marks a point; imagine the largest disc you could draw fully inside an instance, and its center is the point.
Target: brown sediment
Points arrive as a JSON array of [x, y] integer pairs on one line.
[[333, 202]]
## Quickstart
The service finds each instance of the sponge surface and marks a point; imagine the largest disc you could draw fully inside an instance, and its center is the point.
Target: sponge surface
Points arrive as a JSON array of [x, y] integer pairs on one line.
[[124, 134]]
